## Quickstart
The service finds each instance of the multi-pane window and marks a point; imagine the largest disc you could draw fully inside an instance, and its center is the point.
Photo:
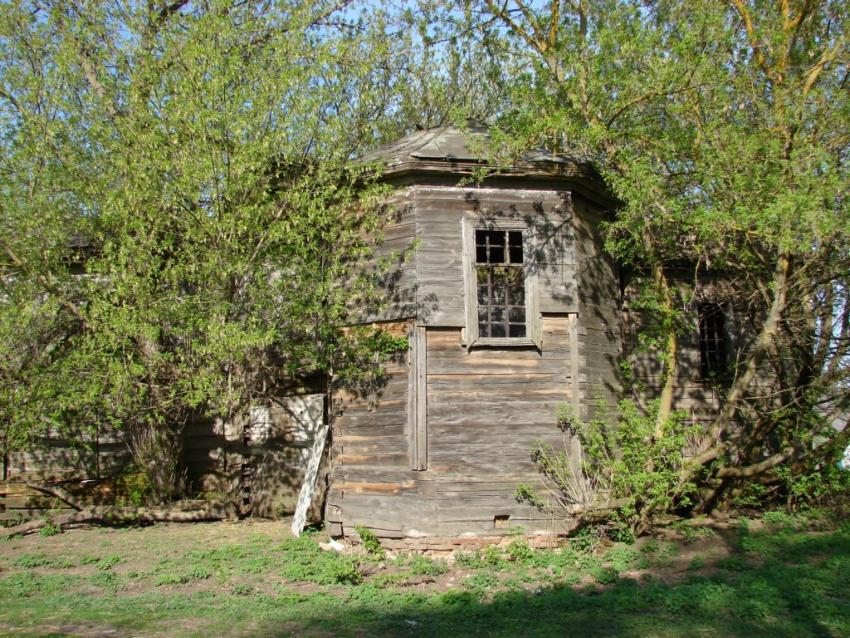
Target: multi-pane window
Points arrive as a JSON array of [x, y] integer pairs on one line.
[[712, 341], [500, 278]]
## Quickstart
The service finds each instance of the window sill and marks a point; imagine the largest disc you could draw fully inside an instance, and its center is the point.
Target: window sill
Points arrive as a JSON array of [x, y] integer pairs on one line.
[[510, 342]]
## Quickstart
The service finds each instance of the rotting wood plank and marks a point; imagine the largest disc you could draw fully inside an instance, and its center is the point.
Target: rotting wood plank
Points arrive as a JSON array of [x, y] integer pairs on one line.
[[507, 378], [481, 452], [448, 395], [496, 366], [366, 431], [17, 489], [371, 447], [390, 418], [31, 502], [506, 414]]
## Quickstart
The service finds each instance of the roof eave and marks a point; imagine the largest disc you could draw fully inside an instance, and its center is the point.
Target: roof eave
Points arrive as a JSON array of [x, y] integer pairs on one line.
[[577, 176]]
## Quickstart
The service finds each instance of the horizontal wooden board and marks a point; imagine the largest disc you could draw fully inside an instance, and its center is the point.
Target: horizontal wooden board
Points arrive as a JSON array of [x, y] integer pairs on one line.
[[389, 459], [375, 445], [512, 379], [495, 365], [41, 502], [504, 413], [451, 394], [375, 487], [405, 230], [389, 418]]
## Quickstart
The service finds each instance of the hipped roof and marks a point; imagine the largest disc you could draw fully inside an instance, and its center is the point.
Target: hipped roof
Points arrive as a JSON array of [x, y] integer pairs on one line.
[[450, 150]]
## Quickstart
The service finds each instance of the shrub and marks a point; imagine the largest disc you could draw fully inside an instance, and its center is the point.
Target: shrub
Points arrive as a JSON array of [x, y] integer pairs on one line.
[[825, 485], [469, 560], [623, 464], [519, 551], [49, 529]]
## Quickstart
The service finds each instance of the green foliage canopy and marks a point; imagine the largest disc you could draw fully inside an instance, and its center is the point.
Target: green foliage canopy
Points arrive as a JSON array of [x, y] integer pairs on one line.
[[724, 129], [182, 223]]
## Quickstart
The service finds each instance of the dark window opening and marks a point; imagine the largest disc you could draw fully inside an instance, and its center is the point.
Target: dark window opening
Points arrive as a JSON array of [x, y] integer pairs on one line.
[[501, 283], [713, 345]]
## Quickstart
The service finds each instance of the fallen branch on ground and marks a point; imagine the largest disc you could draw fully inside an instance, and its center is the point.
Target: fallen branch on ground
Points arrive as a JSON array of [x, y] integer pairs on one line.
[[111, 515]]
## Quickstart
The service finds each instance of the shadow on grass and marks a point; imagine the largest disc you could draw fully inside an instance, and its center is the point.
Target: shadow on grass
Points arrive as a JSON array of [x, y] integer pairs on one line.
[[783, 585], [774, 583]]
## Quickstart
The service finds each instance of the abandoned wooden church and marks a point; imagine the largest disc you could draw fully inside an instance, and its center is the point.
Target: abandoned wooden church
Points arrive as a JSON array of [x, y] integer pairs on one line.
[[512, 310]]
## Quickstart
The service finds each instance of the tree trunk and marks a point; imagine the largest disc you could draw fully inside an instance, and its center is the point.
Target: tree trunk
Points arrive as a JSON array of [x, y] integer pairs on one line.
[[106, 515]]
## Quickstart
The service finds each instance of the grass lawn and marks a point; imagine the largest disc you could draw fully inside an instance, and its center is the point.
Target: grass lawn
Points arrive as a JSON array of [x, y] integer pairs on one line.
[[774, 578]]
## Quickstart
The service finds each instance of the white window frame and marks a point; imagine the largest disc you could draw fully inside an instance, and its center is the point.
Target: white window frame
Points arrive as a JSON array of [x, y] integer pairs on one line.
[[470, 334]]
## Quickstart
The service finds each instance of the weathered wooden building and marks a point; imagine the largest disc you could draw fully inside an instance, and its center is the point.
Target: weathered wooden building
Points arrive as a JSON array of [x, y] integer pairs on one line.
[[512, 309]]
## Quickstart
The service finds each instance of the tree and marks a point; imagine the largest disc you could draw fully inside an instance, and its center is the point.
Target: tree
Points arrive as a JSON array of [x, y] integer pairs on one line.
[[182, 225], [724, 131]]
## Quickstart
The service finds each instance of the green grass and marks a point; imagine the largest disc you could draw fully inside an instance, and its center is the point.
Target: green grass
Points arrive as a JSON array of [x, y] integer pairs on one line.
[[776, 581]]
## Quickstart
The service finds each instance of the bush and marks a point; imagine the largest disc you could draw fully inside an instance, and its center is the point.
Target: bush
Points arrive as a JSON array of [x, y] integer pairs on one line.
[[519, 551], [624, 463], [825, 485]]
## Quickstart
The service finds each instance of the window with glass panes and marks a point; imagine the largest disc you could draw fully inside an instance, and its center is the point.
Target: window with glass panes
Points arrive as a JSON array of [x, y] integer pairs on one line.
[[712, 340], [501, 283]]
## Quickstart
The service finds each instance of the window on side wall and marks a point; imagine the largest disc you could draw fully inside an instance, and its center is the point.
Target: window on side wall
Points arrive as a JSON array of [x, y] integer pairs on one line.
[[501, 283], [713, 341]]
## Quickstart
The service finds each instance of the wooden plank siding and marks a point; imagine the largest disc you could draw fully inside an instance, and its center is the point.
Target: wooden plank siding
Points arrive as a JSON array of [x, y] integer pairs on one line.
[[394, 257], [485, 410], [599, 323], [439, 256], [229, 458]]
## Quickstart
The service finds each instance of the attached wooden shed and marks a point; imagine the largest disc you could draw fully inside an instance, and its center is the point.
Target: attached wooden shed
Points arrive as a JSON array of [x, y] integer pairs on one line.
[[511, 308]]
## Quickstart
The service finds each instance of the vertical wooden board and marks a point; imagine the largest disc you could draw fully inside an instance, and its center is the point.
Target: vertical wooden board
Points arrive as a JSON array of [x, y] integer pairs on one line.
[[412, 385], [575, 396], [421, 398]]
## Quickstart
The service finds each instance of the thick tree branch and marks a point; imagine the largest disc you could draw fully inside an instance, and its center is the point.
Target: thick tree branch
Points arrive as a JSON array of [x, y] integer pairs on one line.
[[763, 466], [828, 56], [742, 10], [58, 492]]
